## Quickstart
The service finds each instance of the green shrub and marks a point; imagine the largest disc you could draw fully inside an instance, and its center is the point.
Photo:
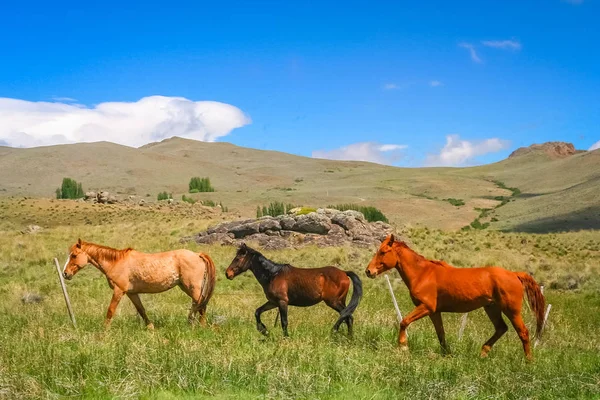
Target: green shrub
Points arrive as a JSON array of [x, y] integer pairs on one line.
[[306, 210], [187, 199], [164, 196], [223, 208], [515, 191], [455, 202], [200, 185], [208, 203], [69, 189], [478, 225], [274, 209], [371, 214]]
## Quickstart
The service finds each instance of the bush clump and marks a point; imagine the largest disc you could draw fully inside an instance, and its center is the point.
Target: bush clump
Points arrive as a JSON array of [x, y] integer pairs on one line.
[[187, 199], [371, 214], [274, 209], [164, 196], [455, 202], [198, 185], [69, 189]]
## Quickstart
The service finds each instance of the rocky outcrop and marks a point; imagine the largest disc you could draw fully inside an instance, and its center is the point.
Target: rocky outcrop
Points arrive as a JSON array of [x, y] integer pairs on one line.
[[32, 229], [325, 227], [102, 197], [552, 149]]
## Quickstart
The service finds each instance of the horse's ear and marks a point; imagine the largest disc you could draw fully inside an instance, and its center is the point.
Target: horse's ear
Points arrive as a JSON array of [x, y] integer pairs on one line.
[[243, 246], [391, 241], [79, 243]]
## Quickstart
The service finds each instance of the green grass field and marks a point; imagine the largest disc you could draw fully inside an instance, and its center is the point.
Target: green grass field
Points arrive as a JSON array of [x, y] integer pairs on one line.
[[42, 356]]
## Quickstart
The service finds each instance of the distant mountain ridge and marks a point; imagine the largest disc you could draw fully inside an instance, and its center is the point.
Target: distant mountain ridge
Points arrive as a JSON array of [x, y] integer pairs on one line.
[[558, 185], [552, 149]]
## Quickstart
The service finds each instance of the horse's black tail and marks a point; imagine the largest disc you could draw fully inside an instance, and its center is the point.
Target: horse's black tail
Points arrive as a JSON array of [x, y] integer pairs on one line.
[[354, 301]]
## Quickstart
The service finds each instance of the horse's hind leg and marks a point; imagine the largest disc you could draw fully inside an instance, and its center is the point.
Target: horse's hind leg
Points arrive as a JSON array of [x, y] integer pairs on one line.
[[283, 311], [137, 302], [436, 319], [495, 315], [339, 306], [195, 293], [522, 331]]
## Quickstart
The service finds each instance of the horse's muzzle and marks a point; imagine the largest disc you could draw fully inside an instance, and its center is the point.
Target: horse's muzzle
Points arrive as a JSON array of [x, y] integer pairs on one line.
[[369, 274], [67, 276], [229, 274]]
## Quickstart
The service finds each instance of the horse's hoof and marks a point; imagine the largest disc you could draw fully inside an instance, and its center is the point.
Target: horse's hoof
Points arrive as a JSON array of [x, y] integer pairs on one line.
[[404, 347], [484, 351], [150, 326]]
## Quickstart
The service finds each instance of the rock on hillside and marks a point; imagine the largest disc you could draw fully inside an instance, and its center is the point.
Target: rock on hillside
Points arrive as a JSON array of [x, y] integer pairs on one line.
[[325, 227], [553, 149]]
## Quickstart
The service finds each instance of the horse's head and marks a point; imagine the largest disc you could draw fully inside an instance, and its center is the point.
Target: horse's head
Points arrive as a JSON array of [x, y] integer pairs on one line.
[[241, 262], [76, 261], [384, 260]]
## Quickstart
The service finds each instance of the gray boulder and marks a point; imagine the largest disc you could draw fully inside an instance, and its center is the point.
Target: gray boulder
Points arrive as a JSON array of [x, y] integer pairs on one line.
[[312, 223], [269, 224], [246, 229]]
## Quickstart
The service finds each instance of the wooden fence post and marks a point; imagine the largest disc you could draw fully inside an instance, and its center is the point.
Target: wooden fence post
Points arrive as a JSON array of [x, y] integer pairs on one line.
[[65, 294], [398, 313], [463, 323]]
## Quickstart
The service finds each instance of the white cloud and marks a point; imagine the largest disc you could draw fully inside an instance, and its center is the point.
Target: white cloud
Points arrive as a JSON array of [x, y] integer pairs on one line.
[[503, 44], [458, 152], [435, 83], [26, 124], [472, 51], [390, 86], [595, 146], [364, 151]]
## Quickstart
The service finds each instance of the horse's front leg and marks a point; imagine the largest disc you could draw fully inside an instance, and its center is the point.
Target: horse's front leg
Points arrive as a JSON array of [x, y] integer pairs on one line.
[[419, 312], [116, 298], [259, 325], [137, 302], [438, 324]]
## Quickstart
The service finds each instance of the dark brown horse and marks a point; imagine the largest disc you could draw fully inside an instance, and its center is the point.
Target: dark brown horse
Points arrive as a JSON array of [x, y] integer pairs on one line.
[[286, 285], [436, 287]]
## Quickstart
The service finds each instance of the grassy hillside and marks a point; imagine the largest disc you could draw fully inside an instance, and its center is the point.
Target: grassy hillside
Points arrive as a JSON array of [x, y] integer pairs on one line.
[[46, 358], [556, 194]]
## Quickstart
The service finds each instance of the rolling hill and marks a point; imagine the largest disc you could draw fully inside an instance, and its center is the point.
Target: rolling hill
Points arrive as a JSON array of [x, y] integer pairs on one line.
[[556, 193]]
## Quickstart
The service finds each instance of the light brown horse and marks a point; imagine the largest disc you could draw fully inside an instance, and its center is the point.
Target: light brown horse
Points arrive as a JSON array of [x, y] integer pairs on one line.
[[131, 272], [437, 287]]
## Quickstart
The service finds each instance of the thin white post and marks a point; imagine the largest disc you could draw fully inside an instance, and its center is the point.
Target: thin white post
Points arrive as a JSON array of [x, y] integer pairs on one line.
[[398, 313], [65, 294], [463, 323], [543, 324]]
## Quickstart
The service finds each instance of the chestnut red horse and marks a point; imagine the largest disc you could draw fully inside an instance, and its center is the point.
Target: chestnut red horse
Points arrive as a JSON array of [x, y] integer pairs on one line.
[[131, 272], [437, 287], [286, 285]]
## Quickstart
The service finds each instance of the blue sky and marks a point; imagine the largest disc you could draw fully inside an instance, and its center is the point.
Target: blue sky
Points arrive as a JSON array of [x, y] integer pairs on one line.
[[439, 83]]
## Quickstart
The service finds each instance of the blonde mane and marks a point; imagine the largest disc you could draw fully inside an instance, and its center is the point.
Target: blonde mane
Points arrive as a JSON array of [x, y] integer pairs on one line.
[[98, 251]]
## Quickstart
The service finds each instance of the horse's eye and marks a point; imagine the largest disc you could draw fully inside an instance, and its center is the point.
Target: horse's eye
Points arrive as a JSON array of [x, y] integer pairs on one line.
[[73, 256]]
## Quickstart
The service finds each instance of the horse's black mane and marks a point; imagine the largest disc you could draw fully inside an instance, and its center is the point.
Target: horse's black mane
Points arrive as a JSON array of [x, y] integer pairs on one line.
[[271, 268]]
